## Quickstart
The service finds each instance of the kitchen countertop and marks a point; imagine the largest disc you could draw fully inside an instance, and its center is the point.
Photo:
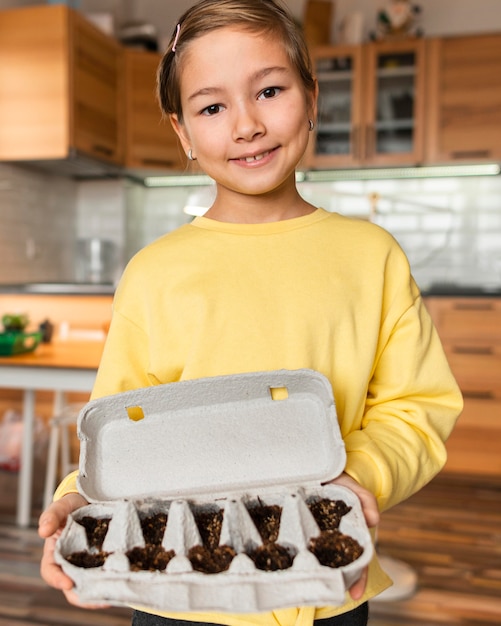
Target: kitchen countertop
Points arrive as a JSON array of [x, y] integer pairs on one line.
[[458, 290], [59, 288], [84, 354], [91, 289]]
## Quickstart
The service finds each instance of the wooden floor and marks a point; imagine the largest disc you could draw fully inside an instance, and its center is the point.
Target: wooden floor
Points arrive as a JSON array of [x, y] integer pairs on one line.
[[450, 533]]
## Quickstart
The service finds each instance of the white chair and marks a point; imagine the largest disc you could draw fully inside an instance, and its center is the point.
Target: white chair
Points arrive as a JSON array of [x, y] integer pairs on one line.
[[59, 458], [404, 577]]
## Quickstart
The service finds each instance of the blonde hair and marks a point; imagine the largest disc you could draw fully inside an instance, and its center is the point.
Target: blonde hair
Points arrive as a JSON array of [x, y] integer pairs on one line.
[[261, 16]]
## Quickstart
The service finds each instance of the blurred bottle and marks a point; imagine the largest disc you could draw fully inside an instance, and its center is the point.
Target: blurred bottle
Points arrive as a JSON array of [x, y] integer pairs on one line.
[[47, 329]]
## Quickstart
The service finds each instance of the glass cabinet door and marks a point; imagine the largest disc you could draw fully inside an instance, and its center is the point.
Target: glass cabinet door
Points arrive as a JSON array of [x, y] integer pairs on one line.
[[337, 135], [394, 117], [371, 105]]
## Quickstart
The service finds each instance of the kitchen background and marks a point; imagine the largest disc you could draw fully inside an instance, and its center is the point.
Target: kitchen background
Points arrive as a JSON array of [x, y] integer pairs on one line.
[[449, 227]]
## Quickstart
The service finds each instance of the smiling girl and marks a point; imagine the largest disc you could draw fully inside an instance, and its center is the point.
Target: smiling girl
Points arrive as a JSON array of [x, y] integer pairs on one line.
[[265, 281]]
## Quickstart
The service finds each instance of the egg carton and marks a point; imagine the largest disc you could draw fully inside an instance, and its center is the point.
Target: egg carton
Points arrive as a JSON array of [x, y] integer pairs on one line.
[[223, 444]]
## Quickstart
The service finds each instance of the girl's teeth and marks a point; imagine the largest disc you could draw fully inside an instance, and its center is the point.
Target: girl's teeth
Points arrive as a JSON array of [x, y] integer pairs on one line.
[[256, 158]]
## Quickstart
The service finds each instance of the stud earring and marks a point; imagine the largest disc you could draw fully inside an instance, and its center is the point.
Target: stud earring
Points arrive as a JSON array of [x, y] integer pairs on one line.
[[311, 124]]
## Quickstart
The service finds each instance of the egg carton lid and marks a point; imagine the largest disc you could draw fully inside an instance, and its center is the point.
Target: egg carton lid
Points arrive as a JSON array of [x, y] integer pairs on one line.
[[211, 437]]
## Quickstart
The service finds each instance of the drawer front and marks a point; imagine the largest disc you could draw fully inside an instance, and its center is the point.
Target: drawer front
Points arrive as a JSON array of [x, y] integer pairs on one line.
[[477, 369], [466, 318], [470, 330], [482, 414], [474, 446], [474, 319]]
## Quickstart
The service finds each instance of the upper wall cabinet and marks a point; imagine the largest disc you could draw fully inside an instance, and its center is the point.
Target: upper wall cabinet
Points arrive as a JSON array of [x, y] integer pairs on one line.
[[371, 104], [151, 143], [61, 86], [395, 102], [464, 92], [337, 137]]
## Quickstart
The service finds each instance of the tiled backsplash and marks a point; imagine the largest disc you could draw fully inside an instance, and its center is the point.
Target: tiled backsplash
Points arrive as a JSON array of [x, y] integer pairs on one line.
[[450, 227], [38, 222]]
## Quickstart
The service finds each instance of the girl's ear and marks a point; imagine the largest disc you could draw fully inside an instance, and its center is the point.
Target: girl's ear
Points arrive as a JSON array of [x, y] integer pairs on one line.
[[313, 102], [180, 131]]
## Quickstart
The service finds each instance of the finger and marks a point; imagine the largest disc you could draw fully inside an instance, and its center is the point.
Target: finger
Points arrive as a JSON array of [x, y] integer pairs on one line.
[[50, 570], [367, 499], [56, 513], [369, 507], [357, 589], [53, 575], [48, 523]]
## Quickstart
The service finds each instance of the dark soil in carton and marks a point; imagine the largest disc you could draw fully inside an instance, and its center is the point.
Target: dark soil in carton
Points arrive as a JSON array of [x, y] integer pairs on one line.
[[210, 557], [271, 557], [95, 529], [153, 528], [266, 518], [209, 525], [211, 561], [334, 549], [328, 513], [151, 557], [87, 560]]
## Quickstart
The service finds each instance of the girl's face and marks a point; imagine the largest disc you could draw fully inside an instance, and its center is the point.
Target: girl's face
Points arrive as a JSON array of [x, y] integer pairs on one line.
[[245, 111]]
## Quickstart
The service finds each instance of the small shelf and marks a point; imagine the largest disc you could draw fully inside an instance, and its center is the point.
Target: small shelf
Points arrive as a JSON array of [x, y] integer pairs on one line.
[[396, 72], [335, 76], [390, 125], [333, 127]]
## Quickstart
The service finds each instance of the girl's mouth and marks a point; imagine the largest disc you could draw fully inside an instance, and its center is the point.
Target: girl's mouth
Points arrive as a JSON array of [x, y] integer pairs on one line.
[[257, 157]]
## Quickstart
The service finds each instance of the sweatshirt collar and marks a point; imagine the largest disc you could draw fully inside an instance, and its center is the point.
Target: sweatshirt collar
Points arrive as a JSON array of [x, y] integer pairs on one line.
[[266, 228]]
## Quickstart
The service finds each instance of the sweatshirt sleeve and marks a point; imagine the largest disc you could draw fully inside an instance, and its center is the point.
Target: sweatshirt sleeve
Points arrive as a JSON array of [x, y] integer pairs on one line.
[[412, 404], [124, 362]]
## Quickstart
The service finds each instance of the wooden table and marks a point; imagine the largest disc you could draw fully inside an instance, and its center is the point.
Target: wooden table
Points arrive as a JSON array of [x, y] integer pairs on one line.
[[60, 366]]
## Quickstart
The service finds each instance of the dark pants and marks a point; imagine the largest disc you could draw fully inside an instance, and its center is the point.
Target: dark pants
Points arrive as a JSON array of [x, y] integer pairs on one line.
[[357, 617]]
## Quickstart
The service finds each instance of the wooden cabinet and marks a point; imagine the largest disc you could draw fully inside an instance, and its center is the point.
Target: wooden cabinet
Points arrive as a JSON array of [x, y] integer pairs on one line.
[[395, 102], [371, 104], [151, 143], [464, 92], [60, 86], [470, 330], [337, 140]]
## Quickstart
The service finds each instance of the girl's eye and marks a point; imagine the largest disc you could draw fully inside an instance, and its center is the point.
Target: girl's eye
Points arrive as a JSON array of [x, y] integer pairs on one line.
[[212, 109], [269, 92]]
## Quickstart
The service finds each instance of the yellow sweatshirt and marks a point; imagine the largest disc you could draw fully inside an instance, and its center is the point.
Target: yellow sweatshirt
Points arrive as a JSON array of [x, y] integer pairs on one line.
[[320, 291]]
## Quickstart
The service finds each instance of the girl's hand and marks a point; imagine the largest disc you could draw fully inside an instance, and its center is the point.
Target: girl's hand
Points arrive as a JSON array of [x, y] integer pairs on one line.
[[50, 525], [371, 514]]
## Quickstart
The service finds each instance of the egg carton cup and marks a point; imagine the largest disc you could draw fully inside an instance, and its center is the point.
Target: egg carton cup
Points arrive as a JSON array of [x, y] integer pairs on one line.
[[248, 449]]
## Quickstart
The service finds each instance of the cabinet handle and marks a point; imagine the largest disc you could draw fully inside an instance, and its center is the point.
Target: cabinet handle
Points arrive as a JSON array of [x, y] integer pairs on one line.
[[472, 350], [103, 149], [354, 142], [479, 395], [471, 154], [370, 141], [474, 306]]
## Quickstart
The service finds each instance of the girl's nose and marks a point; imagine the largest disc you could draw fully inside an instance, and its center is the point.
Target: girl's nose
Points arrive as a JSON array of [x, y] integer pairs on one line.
[[247, 124]]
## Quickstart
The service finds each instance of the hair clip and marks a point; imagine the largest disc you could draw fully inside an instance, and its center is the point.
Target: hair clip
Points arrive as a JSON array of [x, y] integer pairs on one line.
[[176, 37]]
